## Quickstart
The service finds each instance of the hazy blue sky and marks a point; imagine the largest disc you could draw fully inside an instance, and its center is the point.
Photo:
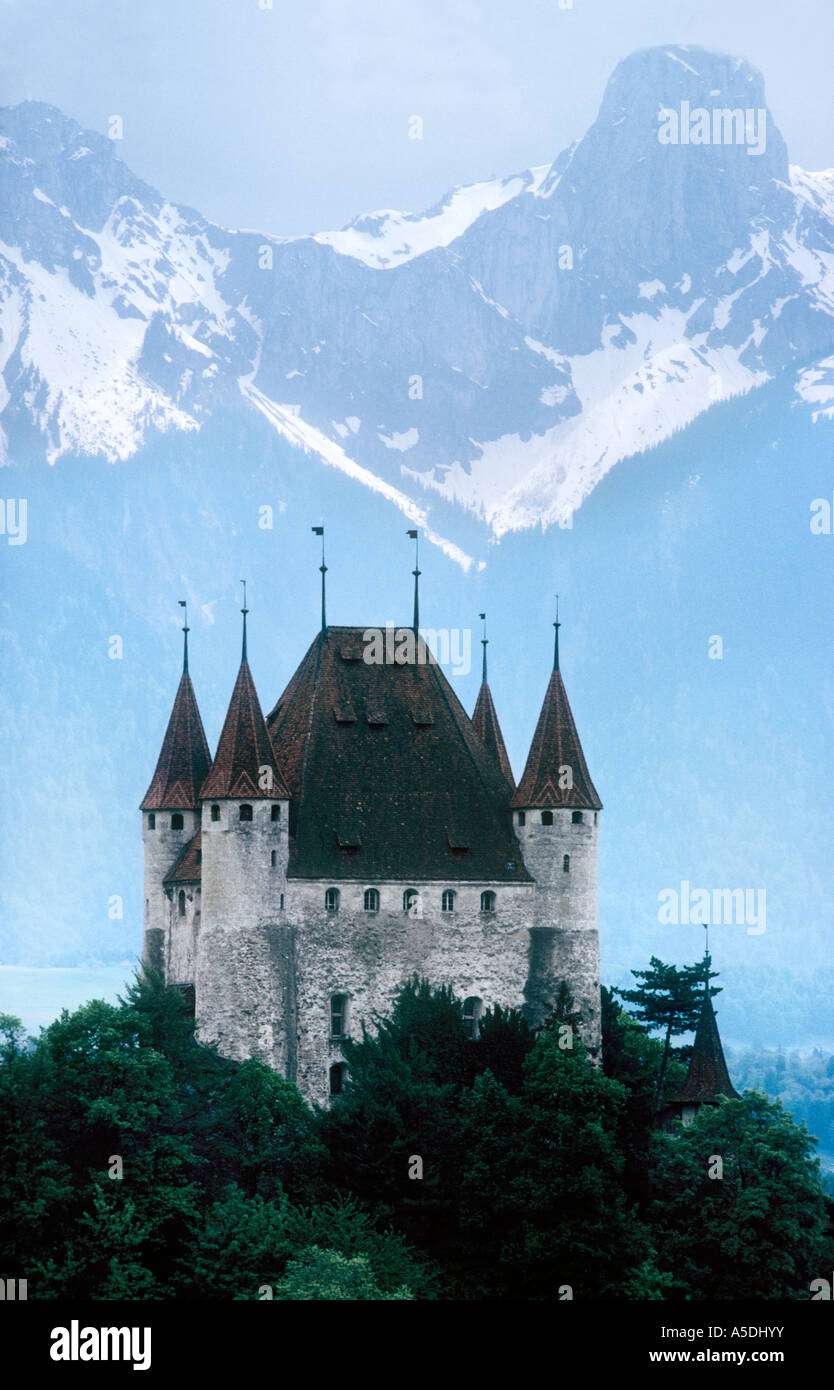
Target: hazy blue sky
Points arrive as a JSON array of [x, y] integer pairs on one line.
[[295, 118]]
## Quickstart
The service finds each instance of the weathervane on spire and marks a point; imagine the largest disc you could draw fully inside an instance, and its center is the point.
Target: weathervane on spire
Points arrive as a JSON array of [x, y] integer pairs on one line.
[[319, 531], [186, 629], [416, 572], [484, 641], [556, 625], [244, 610]]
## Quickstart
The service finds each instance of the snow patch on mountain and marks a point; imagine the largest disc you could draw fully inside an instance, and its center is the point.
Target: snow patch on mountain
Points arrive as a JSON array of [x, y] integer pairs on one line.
[[385, 239]]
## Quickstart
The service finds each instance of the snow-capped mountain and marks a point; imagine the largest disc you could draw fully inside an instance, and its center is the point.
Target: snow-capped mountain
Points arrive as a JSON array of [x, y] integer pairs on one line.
[[503, 350]]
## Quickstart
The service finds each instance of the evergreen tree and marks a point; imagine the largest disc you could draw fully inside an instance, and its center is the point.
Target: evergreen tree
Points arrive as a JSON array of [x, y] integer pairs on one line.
[[671, 998]]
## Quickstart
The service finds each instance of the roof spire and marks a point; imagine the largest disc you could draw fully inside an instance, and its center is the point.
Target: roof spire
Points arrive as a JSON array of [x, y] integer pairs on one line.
[[416, 572], [244, 610], [484, 641], [556, 625], [186, 629], [319, 531]]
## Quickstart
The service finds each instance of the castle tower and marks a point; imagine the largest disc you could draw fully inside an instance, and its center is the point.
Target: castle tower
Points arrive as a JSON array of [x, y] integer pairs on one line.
[[171, 813], [707, 1078], [242, 998], [485, 721], [555, 813]]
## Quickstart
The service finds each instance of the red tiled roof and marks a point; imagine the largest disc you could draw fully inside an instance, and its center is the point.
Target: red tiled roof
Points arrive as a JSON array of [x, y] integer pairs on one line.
[[707, 1078], [244, 750], [184, 759], [555, 745], [397, 790], [485, 721], [188, 866]]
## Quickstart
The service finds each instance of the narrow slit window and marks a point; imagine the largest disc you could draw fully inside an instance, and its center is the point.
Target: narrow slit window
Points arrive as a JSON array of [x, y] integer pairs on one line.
[[181, 902], [338, 1015], [566, 864], [273, 859]]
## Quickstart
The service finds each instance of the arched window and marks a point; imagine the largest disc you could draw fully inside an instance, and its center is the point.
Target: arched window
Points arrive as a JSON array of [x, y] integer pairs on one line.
[[371, 900], [488, 901], [246, 811], [276, 811], [522, 817], [181, 902], [176, 821], [448, 900], [338, 1015], [411, 901], [473, 1007], [547, 817], [273, 858], [215, 812], [331, 900], [566, 864], [151, 821], [338, 1074], [576, 818]]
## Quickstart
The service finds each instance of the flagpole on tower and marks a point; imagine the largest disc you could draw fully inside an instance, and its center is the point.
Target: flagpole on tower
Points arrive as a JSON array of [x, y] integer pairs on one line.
[[415, 536], [319, 531]]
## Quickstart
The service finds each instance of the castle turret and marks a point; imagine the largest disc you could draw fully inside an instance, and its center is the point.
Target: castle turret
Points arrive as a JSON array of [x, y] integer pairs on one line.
[[171, 810], [485, 721], [555, 814], [707, 1079], [245, 847]]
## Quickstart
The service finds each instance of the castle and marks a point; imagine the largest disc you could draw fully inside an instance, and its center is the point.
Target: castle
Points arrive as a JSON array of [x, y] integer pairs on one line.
[[366, 830]]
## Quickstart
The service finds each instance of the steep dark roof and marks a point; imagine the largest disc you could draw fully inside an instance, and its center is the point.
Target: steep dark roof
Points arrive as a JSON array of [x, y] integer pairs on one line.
[[707, 1078], [184, 759], [556, 744], [485, 722], [188, 864], [388, 778], [244, 748]]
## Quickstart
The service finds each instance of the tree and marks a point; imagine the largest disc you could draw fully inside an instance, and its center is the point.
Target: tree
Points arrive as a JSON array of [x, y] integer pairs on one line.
[[669, 997], [325, 1274], [738, 1209]]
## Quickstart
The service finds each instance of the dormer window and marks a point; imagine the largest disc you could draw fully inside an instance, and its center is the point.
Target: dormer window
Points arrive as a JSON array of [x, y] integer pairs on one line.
[[246, 811], [331, 900], [371, 900], [176, 821], [151, 821], [547, 817], [447, 902], [411, 902], [276, 811], [576, 818], [215, 812], [488, 901]]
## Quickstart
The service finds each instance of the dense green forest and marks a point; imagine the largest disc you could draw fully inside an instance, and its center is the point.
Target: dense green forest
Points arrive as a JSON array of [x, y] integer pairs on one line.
[[136, 1164]]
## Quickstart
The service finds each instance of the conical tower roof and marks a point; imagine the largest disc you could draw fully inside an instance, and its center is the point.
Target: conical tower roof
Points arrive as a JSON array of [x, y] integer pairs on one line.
[[556, 745], [707, 1078], [485, 721], [185, 758], [244, 750]]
